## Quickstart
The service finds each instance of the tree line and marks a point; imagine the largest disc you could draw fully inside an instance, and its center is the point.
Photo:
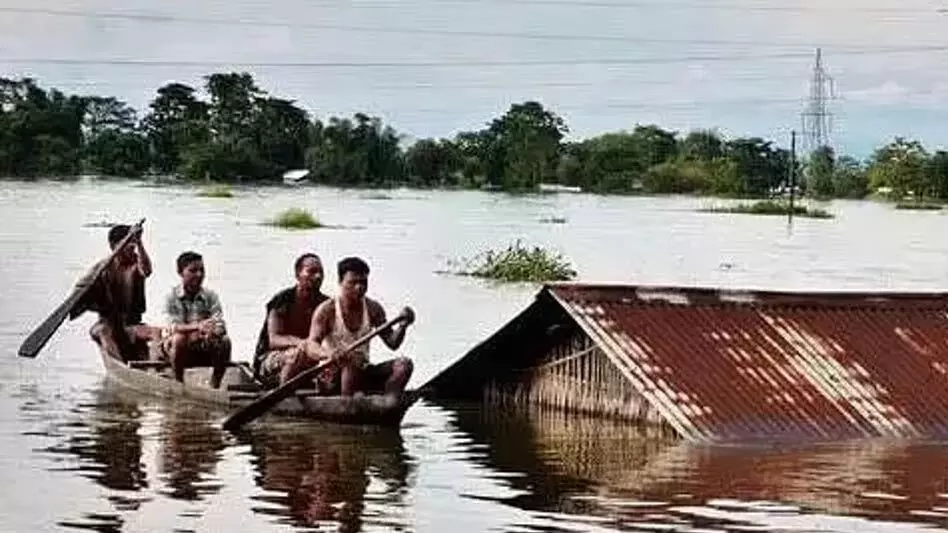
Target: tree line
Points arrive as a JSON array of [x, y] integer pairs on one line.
[[242, 133]]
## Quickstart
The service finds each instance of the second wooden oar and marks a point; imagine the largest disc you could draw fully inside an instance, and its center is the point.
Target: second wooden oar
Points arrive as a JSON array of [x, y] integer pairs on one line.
[[40, 336], [273, 398]]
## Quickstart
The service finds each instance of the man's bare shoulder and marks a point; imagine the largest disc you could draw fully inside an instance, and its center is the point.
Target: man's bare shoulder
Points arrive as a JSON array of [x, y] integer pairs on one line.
[[376, 311], [325, 310]]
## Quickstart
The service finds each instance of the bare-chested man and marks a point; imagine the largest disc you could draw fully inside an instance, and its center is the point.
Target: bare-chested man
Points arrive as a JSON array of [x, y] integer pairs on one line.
[[281, 345], [340, 321], [118, 296]]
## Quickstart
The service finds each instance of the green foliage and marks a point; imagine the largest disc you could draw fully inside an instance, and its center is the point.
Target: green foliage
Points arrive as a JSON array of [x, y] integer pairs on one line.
[[517, 263], [217, 191], [295, 218], [771, 207], [919, 206], [239, 132]]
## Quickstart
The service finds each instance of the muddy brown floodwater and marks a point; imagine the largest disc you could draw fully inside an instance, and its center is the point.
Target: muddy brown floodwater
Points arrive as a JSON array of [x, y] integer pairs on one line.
[[78, 453]]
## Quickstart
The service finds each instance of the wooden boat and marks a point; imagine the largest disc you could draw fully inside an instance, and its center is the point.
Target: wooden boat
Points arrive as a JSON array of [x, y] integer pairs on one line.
[[240, 387]]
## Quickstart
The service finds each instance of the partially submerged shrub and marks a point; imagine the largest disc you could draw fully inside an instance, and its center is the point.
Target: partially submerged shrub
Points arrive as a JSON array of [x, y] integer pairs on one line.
[[295, 218], [517, 263], [919, 206], [771, 207], [217, 191]]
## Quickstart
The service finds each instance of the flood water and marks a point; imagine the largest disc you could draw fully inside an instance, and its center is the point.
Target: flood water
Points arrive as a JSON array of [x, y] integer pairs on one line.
[[77, 453]]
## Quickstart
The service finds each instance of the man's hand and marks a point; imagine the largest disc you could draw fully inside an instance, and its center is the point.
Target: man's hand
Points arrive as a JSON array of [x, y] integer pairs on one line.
[[208, 327], [409, 315]]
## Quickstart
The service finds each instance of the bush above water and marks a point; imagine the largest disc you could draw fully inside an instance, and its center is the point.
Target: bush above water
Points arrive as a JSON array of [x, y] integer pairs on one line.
[[217, 191], [295, 218], [771, 207], [517, 263]]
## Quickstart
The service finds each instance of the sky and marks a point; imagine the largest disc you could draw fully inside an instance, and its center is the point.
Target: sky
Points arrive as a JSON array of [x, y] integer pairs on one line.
[[435, 67]]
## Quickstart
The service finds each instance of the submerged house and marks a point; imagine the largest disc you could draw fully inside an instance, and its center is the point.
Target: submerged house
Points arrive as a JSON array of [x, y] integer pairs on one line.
[[719, 364]]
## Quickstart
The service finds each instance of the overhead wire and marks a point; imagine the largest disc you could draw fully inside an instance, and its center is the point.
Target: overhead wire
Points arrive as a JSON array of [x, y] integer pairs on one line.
[[257, 22]]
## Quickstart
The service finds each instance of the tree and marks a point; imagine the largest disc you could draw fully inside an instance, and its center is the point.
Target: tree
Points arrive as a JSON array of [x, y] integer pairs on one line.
[[523, 146], [176, 122], [900, 165], [821, 171]]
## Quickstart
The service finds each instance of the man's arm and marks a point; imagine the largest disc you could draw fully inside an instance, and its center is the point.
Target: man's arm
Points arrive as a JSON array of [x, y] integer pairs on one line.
[[318, 329], [392, 337], [144, 262], [277, 338], [174, 316]]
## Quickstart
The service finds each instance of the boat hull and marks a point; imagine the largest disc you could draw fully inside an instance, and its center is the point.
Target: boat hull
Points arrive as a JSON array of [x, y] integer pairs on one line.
[[239, 388]]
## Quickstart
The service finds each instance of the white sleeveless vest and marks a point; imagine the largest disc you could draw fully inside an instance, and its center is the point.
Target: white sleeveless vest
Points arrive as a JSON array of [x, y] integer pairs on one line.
[[340, 336]]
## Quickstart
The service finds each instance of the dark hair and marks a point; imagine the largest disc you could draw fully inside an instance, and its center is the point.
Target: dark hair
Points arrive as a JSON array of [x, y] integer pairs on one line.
[[186, 258], [298, 264], [352, 264], [117, 233]]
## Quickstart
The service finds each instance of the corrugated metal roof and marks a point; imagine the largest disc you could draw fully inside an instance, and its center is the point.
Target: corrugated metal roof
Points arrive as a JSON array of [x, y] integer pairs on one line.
[[739, 365]]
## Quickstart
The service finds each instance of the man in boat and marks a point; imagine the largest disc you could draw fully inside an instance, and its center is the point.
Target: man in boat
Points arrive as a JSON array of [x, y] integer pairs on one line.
[[281, 344], [118, 296], [340, 321], [195, 334]]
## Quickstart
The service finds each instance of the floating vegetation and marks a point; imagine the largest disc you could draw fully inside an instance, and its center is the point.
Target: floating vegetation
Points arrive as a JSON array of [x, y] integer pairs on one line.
[[217, 191], [919, 206], [376, 196], [553, 220], [295, 218], [101, 224], [516, 263], [770, 207]]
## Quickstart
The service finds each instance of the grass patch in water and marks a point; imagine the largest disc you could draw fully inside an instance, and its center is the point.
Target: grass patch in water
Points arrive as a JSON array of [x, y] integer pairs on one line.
[[294, 218], [770, 207], [517, 263], [217, 191], [919, 206], [377, 196], [553, 220]]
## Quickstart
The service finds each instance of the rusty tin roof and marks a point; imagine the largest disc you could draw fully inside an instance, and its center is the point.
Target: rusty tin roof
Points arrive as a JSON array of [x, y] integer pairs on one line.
[[722, 364]]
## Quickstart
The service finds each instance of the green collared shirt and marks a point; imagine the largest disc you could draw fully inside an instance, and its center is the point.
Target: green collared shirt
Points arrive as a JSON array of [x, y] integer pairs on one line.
[[183, 309]]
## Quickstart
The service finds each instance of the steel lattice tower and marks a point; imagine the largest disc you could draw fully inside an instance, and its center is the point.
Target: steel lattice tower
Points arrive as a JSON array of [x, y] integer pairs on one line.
[[816, 117]]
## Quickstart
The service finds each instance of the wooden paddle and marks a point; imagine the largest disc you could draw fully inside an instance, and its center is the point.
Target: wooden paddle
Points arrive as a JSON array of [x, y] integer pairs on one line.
[[41, 335], [271, 399]]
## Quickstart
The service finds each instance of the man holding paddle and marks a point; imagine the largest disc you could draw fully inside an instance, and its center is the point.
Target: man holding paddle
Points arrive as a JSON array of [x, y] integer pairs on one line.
[[117, 293], [339, 322]]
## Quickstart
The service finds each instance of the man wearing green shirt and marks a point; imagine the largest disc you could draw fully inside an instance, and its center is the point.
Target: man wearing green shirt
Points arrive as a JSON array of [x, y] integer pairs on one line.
[[196, 334]]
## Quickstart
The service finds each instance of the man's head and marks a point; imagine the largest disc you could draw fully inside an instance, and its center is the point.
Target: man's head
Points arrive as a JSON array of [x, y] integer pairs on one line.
[[116, 234], [191, 271], [353, 278], [309, 272]]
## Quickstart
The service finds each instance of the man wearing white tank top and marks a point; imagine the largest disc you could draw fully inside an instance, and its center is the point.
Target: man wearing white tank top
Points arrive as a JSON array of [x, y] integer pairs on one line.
[[342, 320]]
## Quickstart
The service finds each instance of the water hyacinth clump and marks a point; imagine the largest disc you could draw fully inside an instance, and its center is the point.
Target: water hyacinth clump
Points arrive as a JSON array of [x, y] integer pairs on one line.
[[771, 207], [517, 263], [295, 218], [217, 191], [919, 206]]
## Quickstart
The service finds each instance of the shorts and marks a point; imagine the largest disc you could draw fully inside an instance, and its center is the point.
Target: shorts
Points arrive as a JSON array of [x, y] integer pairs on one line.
[[200, 352], [372, 378]]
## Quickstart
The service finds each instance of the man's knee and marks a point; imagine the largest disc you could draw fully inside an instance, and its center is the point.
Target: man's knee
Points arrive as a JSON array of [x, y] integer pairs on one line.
[[403, 366], [179, 342]]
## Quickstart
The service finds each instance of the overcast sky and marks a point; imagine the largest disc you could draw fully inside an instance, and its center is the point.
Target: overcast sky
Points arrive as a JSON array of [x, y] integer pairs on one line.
[[741, 66]]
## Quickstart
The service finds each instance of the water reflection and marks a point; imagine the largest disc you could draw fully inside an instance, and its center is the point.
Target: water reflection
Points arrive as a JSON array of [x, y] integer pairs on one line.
[[189, 450], [576, 465], [324, 475], [103, 433]]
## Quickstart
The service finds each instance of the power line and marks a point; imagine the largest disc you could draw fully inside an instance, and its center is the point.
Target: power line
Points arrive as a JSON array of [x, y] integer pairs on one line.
[[636, 5], [164, 18], [449, 64]]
